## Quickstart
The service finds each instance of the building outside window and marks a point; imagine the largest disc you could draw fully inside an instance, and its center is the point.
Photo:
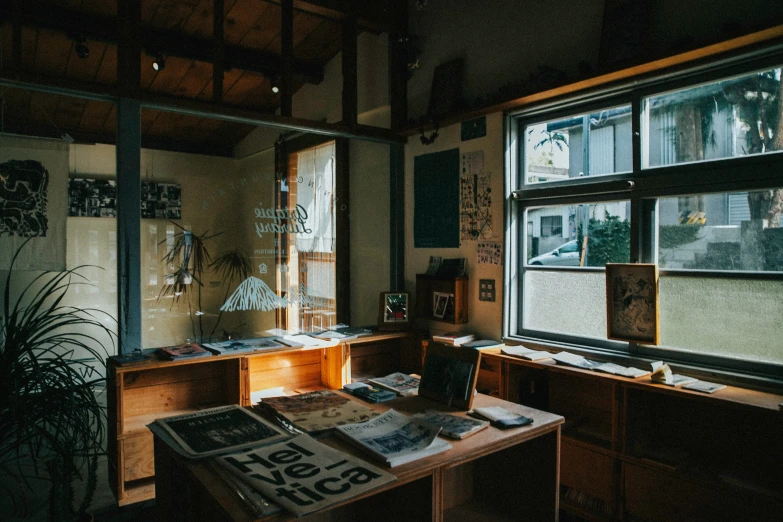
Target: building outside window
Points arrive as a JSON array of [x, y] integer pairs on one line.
[[696, 190]]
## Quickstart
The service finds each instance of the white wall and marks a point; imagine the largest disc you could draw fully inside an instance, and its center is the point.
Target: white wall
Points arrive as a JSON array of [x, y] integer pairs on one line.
[[484, 318]]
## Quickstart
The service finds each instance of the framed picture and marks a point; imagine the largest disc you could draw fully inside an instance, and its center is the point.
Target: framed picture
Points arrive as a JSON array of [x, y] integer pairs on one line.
[[449, 374], [394, 311], [632, 302], [440, 301]]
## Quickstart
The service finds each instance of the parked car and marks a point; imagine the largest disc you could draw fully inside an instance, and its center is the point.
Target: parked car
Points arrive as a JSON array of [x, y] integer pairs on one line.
[[566, 254]]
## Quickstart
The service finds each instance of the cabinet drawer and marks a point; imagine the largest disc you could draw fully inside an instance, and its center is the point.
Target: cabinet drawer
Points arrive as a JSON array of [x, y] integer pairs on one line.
[[588, 471], [138, 456]]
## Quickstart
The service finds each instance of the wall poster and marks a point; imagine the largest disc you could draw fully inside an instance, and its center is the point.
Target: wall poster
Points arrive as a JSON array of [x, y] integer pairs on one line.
[[33, 177], [98, 198], [436, 200], [475, 198]]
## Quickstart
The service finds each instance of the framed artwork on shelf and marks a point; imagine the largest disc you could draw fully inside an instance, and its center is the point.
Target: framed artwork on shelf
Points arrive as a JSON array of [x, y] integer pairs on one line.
[[632, 302], [394, 311], [440, 301], [449, 374]]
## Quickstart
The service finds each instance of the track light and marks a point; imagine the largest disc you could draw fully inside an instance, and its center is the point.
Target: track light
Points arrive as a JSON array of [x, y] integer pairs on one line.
[[275, 85], [160, 62], [82, 51]]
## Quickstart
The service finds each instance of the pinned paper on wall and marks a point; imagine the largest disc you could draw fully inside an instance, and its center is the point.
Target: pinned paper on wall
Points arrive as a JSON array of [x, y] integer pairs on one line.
[[489, 253], [475, 198]]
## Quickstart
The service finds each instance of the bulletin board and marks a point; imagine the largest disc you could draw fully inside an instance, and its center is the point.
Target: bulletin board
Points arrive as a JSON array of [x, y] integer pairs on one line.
[[436, 182]]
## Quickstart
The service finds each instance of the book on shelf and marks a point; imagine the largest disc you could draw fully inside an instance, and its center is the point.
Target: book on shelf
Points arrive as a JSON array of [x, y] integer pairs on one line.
[[526, 353], [394, 438], [354, 331], [577, 361], [321, 476], [500, 417], [434, 265], [453, 338], [680, 380], [216, 430], [305, 341], [481, 344], [452, 426], [369, 393], [243, 345], [703, 386], [317, 411], [183, 351], [400, 383], [623, 371]]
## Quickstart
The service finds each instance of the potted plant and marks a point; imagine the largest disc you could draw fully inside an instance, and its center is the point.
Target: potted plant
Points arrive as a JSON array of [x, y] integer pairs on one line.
[[52, 423]]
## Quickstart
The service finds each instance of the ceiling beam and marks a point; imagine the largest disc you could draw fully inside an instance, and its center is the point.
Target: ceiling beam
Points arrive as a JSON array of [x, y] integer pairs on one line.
[[207, 109], [169, 43]]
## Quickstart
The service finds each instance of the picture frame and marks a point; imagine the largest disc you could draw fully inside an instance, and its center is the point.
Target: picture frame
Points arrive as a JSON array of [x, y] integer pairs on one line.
[[632, 312], [440, 301], [394, 311], [449, 375]]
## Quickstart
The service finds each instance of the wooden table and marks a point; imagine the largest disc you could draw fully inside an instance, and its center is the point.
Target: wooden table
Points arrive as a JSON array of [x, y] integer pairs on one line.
[[491, 475]]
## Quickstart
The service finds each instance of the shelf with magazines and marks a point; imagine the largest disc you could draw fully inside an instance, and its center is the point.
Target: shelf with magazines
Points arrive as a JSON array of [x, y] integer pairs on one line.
[[633, 449], [140, 392]]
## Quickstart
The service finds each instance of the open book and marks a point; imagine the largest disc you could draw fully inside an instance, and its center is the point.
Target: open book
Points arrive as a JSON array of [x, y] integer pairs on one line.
[[394, 438], [526, 353]]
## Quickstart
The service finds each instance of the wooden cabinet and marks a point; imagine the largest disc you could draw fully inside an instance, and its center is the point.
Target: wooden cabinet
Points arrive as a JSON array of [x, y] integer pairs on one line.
[[635, 450], [427, 286], [142, 392]]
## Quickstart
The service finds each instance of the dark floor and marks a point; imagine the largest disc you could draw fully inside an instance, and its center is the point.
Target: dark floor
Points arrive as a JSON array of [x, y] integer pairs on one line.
[[141, 512]]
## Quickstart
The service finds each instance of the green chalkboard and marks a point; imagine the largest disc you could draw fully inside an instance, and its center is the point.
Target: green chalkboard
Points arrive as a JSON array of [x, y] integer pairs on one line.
[[436, 200]]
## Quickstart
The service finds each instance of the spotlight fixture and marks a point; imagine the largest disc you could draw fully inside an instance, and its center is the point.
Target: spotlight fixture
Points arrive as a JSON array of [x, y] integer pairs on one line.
[[82, 51], [160, 62], [275, 85]]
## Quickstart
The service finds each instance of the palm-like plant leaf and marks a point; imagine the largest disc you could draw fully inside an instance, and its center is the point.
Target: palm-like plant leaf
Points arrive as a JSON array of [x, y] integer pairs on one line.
[[51, 417]]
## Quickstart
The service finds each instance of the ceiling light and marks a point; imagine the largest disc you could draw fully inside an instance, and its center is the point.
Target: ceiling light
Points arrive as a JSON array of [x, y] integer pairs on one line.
[[275, 85], [160, 62], [82, 51]]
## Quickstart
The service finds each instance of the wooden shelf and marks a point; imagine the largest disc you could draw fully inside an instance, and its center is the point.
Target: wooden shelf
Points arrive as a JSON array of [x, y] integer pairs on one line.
[[427, 285], [139, 393], [642, 448]]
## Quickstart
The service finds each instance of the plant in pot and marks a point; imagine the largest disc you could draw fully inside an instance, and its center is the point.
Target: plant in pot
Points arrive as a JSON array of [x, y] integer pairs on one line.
[[52, 422]]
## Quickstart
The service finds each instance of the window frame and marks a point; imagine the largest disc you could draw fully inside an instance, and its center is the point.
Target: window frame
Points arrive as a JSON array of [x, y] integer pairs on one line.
[[642, 187]]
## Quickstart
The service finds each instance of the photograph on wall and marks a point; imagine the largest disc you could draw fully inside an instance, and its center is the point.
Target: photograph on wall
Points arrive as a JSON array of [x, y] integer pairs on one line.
[[98, 198], [632, 302], [475, 198]]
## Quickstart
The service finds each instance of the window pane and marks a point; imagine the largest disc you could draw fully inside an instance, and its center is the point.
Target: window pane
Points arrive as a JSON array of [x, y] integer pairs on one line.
[[733, 117], [597, 233], [585, 145], [570, 303], [736, 231], [734, 318]]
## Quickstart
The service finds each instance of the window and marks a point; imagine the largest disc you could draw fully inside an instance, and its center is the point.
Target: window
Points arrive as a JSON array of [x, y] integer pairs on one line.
[[704, 202]]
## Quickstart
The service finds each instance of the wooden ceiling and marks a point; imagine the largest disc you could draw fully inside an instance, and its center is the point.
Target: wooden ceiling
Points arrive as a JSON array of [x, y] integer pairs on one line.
[[49, 33]]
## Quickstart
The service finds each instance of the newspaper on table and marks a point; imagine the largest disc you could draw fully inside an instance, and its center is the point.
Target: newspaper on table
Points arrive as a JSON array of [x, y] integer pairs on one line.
[[216, 430], [395, 438], [304, 476]]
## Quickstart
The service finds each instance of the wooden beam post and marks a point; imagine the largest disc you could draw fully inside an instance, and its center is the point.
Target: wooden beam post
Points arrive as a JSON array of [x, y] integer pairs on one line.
[[350, 66], [398, 64], [218, 50], [129, 225], [287, 57], [129, 47]]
